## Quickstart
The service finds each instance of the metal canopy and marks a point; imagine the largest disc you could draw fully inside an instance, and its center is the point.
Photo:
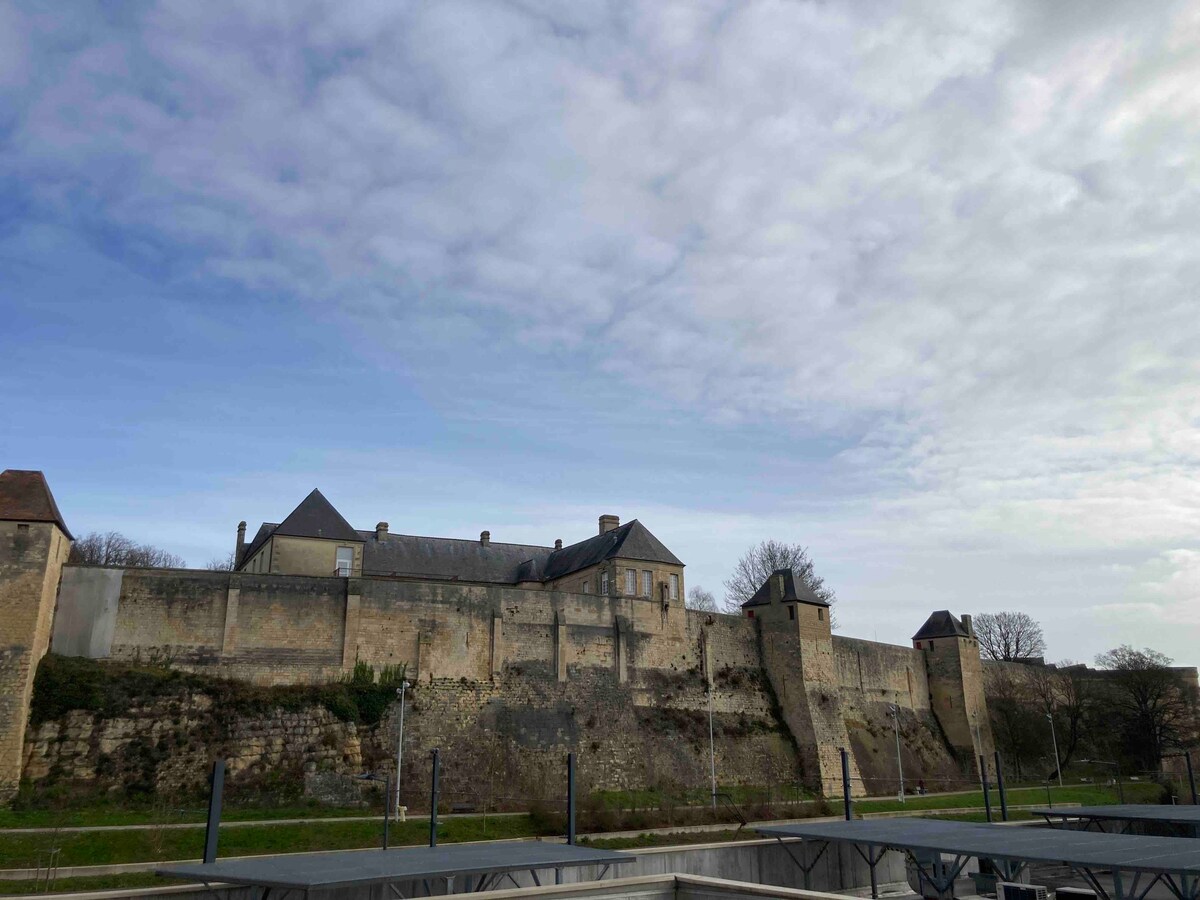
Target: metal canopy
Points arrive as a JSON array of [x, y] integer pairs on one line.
[[1172, 861], [1128, 813], [492, 861]]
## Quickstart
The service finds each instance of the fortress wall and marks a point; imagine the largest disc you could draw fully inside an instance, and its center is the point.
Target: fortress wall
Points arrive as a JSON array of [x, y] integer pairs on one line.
[[870, 672], [171, 613]]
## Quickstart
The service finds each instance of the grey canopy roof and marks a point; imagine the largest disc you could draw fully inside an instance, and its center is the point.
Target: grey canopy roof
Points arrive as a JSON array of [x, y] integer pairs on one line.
[[794, 591], [941, 624]]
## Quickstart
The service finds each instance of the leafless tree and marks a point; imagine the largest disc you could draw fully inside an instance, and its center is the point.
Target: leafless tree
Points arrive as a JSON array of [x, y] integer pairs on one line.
[[699, 598], [222, 563], [1154, 702], [760, 561], [1010, 636], [111, 548]]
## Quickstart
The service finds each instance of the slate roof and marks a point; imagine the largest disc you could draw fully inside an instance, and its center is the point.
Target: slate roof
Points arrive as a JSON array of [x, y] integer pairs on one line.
[[315, 517], [25, 496], [794, 591], [466, 560], [460, 559], [632, 540], [941, 624]]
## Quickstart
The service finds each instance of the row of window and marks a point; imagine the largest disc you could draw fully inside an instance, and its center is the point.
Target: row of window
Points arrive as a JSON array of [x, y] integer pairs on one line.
[[631, 584]]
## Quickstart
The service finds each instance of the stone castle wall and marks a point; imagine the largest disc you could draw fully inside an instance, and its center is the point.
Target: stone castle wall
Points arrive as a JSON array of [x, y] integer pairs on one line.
[[508, 680]]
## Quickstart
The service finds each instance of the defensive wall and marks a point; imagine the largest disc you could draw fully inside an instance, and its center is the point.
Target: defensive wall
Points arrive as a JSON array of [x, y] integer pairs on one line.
[[624, 681]]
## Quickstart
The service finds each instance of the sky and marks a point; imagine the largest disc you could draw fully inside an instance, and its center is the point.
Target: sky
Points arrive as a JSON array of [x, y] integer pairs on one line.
[[912, 284]]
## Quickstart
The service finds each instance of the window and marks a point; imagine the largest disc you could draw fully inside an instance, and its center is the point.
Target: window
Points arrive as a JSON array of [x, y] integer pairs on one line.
[[674, 587], [630, 581], [345, 561], [604, 582], [22, 528], [820, 614], [647, 582], [750, 614], [587, 587], [792, 611]]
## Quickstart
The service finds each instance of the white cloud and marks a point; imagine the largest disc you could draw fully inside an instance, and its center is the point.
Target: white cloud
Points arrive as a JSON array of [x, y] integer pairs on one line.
[[959, 236]]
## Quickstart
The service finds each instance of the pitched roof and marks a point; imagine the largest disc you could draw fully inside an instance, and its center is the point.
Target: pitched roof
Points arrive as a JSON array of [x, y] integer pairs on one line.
[[315, 517], [795, 590], [467, 560], [632, 540], [265, 530], [941, 624], [25, 495]]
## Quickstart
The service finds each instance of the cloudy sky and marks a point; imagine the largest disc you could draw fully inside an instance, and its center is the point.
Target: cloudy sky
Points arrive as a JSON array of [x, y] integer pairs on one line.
[[912, 284]]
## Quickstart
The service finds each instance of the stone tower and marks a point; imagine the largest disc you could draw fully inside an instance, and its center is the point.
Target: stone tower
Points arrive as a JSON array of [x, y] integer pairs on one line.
[[797, 650], [951, 653], [34, 544]]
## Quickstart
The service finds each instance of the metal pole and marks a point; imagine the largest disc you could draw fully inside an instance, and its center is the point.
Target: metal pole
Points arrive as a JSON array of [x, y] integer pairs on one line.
[[712, 753], [216, 790], [400, 746], [899, 762], [1054, 739], [987, 800], [1187, 757], [1120, 786], [433, 802], [849, 804], [387, 817], [570, 798], [1000, 787]]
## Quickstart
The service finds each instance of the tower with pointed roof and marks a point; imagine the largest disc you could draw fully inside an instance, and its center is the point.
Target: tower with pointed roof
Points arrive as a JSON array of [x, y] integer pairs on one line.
[[956, 689], [34, 544]]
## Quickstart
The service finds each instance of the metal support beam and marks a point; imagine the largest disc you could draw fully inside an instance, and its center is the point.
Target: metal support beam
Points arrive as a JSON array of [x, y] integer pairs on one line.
[[1000, 787], [846, 783], [215, 792], [433, 801], [871, 857]]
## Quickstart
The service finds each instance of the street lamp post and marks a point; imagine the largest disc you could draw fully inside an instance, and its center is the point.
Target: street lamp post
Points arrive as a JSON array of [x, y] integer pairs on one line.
[[899, 763], [404, 685], [712, 753], [1054, 740]]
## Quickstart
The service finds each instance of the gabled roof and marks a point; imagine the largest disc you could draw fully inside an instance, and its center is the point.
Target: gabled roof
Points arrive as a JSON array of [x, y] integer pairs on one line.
[[632, 540], [265, 530], [452, 558], [315, 517], [25, 495], [794, 591], [941, 624]]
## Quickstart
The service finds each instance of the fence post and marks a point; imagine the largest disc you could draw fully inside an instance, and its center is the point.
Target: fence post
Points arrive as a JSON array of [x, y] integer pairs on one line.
[[849, 804], [216, 789], [987, 800], [1000, 787], [1187, 757], [570, 798], [433, 801]]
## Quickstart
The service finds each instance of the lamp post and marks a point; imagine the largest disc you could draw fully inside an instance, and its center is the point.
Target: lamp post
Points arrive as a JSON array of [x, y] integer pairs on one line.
[[404, 685], [895, 710], [1054, 740], [712, 753]]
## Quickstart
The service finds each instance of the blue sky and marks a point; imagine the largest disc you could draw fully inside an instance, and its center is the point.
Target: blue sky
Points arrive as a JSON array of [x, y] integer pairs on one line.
[[912, 287]]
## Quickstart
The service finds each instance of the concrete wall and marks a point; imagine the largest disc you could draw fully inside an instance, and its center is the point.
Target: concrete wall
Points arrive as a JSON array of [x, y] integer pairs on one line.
[[31, 559]]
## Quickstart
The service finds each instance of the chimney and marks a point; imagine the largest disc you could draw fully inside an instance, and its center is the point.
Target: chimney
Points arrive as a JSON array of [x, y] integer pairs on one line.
[[485, 537], [558, 543], [968, 626], [776, 587], [241, 543], [609, 523], [381, 530]]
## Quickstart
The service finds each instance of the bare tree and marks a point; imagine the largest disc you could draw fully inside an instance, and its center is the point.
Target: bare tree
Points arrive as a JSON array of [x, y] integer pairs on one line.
[[111, 548], [757, 564], [1154, 702], [1010, 636], [222, 563], [699, 598]]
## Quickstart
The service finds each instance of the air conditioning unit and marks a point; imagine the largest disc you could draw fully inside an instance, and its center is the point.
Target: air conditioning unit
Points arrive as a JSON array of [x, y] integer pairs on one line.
[[1070, 893], [1007, 890]]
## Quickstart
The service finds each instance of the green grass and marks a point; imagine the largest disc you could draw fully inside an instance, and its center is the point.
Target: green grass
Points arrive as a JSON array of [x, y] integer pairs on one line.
[[743, 795], [669, 840], [91, 883], [1084, 794], [117, 815], [109, 847]]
